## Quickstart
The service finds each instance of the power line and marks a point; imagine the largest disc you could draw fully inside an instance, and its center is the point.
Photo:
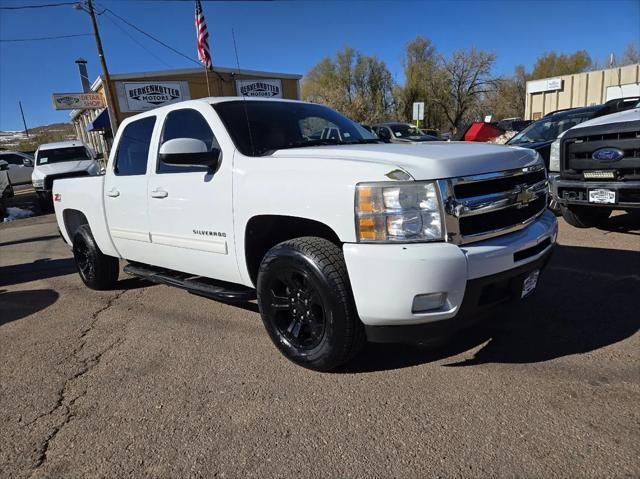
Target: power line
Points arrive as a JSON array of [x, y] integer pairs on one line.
[[46, 5], [111, 12], [157, 40], [35, 39], [133, 39]]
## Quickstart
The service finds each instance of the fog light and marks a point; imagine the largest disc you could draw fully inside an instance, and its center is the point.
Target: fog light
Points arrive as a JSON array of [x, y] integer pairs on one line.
[[428, 302]]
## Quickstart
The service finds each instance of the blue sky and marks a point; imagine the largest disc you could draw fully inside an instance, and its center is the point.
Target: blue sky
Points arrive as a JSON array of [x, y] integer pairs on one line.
[[289, 36]]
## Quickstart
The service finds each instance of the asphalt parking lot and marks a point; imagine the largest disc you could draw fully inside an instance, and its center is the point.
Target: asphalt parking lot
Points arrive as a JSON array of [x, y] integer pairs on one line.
[[149, 381]]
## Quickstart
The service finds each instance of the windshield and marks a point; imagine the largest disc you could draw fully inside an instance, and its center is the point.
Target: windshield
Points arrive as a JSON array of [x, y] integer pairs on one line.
[[260, 127], [59, 155], [548, 129], [406, 131]]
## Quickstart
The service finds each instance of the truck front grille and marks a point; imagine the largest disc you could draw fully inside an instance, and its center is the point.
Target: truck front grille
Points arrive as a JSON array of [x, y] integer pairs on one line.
[[493, 204], [578, 149]]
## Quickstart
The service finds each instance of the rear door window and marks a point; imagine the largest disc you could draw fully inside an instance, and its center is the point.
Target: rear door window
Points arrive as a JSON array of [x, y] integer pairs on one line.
[[133, 147]]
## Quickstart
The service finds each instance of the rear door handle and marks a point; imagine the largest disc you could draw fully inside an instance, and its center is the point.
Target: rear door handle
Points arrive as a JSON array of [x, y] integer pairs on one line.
[[159, 193], [113, 193]]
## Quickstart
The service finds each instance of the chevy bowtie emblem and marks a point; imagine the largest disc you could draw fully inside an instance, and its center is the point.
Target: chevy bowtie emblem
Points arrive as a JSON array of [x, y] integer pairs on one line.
[[524, 195]]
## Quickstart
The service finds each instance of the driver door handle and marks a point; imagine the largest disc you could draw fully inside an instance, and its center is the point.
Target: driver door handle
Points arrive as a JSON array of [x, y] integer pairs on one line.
[[159, 193], [113, 193]]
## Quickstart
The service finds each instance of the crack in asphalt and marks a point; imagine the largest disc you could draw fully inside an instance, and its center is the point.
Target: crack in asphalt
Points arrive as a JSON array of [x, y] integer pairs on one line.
[[62, 403]]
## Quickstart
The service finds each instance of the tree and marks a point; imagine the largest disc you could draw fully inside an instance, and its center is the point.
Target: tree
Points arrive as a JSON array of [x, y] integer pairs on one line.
[[630, 56], [552, 64], [461, 81], [420, 65], [357, 85], [508, 98]]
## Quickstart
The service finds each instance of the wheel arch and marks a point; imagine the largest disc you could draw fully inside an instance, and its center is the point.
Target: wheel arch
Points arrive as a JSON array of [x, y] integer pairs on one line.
[[73, 219], [263, 232]]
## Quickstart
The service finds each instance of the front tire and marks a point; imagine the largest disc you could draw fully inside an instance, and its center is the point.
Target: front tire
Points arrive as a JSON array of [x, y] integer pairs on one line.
[[306, 303], [96, 270], [584, 216]]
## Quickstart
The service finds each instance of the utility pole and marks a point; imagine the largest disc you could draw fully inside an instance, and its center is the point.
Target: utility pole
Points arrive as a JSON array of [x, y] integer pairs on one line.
[[108, 88], [24, 122]]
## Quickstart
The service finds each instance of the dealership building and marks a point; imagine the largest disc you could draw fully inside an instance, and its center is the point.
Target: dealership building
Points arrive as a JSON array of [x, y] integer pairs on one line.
[[581, 89], [137, 92]]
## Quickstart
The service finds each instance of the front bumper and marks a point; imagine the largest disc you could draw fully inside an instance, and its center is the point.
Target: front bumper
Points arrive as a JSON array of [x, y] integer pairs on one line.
[[576, 192], [386, 278]]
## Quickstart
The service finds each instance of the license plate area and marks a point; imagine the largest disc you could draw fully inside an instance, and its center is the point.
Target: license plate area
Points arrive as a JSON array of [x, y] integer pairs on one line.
[[602, 196]]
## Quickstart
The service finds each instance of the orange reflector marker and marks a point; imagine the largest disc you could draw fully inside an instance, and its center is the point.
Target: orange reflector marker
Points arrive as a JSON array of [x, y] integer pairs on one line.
[[371, 228], [365, 201]]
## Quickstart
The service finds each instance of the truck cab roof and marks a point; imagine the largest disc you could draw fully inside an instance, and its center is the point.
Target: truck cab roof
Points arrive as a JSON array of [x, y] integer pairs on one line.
[[619, 117], [61, 144]]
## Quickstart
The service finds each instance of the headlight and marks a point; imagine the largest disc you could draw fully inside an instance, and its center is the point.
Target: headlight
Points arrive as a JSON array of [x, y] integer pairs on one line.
[[38, 183], [554, 156], [403, 212]]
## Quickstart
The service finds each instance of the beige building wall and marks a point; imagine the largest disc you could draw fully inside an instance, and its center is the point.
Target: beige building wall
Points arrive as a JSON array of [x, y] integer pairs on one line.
[[581, 89]]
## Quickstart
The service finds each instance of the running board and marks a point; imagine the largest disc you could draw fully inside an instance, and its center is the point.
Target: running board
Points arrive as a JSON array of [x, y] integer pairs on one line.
[[199, 285]]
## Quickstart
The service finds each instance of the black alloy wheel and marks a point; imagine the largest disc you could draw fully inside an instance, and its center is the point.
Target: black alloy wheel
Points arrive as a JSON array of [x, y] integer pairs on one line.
[[97, 270], [306, 303], [298, 309]]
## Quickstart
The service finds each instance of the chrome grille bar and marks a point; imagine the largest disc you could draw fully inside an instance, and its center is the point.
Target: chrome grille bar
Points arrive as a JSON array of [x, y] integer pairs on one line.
[[513, 200]]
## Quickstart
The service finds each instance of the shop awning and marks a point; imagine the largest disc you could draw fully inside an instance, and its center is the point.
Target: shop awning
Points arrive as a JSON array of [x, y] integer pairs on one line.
[[101, 122]]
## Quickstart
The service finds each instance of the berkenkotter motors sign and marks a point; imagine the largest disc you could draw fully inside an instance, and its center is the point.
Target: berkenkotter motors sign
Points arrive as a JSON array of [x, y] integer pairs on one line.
[[263, 88], [142, 96]]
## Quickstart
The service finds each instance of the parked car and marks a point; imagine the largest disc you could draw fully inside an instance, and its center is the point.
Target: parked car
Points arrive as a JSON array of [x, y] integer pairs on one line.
[[20, 166], [596, 168], [368, 128], [431, 132], [64, 159], [540, 134], [401, 133], [513, 124], [6, 190], [340, 243]]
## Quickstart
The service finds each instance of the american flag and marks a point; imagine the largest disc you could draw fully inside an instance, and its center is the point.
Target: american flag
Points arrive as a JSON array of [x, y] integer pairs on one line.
[[204, 55]]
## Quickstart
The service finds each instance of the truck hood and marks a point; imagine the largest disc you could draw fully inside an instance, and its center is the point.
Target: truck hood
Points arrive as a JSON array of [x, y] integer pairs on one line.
[[63, 167], [621, 116], [425, 161]]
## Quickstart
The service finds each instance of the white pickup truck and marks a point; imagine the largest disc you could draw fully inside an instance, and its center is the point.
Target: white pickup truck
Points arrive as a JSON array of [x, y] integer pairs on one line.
[[341, 240], [63, 159]]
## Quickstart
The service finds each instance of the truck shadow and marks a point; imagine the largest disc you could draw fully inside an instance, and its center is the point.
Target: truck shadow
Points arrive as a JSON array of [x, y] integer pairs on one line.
[[16, 305], [623, 223], [587, 300], [39, 269], [50, 268]]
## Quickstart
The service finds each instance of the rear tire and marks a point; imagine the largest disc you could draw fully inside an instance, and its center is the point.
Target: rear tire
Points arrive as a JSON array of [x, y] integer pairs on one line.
[[584, 216], [96, 270], [45, 201], [306, 303]]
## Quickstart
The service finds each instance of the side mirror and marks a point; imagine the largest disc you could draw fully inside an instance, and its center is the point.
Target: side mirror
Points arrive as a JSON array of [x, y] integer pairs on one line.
[[27, 162], [3, 165], [189, 152]]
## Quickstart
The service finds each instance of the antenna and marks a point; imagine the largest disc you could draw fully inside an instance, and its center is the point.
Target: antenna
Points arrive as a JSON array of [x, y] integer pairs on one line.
[[244, 100]]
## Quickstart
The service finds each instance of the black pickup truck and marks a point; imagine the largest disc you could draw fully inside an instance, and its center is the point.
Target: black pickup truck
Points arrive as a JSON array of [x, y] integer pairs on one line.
[[540, 134], [595, 168]]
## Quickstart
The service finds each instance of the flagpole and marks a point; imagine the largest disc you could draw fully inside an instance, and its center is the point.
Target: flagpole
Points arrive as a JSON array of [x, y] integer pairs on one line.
[[206, 75]]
